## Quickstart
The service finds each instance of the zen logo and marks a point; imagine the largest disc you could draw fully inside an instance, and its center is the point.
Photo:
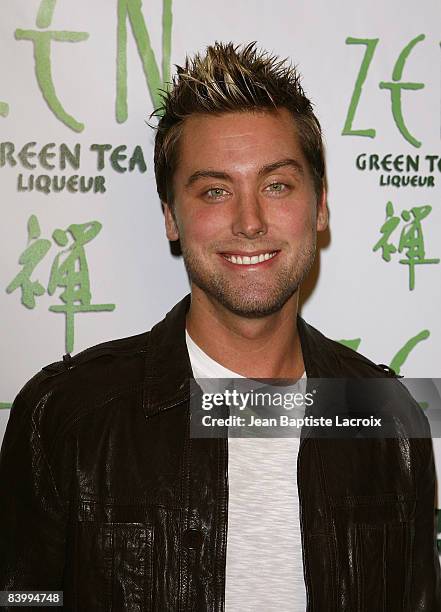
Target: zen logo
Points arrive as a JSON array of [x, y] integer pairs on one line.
[[395, 86], [44, 39]]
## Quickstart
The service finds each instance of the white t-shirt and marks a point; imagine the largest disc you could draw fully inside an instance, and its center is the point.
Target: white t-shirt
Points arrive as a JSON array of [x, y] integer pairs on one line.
[[264, 569]]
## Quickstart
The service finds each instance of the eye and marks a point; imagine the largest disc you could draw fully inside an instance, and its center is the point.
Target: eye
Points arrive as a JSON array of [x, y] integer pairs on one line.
[[215, 193], [277, 187]]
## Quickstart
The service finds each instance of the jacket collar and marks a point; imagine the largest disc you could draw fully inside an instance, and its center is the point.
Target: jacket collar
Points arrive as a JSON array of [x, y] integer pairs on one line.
[[168, 367]]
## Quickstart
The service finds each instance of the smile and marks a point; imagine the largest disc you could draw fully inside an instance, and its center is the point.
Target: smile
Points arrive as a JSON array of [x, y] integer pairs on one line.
[[246, 260]]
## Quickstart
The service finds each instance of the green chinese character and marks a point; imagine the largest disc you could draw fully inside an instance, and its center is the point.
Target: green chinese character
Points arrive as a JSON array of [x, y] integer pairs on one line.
[[29, 259], [387, 229], [42, 54], [412, 240], [72, 275]]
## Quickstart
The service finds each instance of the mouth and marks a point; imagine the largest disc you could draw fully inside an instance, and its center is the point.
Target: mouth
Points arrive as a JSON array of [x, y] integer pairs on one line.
[[251, 259]]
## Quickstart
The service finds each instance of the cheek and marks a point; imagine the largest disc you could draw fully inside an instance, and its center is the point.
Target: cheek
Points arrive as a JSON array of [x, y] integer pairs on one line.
[[296, 219], [204, 225]]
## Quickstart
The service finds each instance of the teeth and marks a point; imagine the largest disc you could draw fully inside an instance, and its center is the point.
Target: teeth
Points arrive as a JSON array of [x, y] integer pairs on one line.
[[246, 260]]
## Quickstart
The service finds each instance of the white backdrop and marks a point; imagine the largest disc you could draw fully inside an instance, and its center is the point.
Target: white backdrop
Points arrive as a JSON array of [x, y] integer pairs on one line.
[[357, 295]]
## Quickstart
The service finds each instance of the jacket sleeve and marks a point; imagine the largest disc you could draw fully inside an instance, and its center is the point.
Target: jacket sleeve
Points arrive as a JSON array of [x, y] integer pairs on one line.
[[32, 516], [425, 593]]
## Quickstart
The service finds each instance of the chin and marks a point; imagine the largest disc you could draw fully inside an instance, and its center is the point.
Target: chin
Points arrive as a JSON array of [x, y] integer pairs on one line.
[[252, 306]]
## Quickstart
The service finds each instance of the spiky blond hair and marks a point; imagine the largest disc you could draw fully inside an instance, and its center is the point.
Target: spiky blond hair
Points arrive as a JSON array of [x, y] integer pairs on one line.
[[231, 78]]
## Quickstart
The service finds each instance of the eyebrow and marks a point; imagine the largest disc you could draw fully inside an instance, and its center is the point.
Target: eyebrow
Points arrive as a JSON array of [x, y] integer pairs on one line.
[[267, 169]]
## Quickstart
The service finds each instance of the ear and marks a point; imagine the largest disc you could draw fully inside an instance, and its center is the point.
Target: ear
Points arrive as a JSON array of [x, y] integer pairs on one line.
[[322, 211], [171, 229]]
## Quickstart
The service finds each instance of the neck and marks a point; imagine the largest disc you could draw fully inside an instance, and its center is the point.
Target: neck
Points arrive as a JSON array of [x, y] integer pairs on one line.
[[267, 347]]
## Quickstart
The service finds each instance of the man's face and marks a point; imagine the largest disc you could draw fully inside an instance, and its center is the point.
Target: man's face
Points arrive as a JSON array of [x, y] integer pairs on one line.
[[245, 209]]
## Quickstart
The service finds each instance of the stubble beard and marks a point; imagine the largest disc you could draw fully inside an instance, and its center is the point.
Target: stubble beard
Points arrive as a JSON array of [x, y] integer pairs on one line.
[[251, 299]]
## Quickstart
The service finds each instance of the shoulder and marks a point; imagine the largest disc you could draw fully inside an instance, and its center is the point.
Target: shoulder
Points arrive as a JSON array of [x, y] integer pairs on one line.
[[354, 362], [113, 351], [369, 385], [333, 359], [63, 389], [74, 385]]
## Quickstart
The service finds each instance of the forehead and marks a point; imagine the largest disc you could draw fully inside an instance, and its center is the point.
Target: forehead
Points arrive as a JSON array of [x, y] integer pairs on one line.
[[242, 140]]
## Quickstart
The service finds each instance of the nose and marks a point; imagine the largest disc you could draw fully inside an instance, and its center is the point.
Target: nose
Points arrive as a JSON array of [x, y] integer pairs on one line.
[[249, 218]]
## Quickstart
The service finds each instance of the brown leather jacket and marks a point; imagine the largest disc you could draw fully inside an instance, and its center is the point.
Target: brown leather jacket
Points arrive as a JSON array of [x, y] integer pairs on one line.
[[104, 495]]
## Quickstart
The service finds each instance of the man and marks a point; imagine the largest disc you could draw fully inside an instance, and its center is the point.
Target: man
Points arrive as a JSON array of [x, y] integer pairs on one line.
[[105, 494]]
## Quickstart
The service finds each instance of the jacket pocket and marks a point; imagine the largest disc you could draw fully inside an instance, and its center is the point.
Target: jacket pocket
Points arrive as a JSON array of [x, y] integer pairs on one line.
[[378, 565], [113, 567]]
